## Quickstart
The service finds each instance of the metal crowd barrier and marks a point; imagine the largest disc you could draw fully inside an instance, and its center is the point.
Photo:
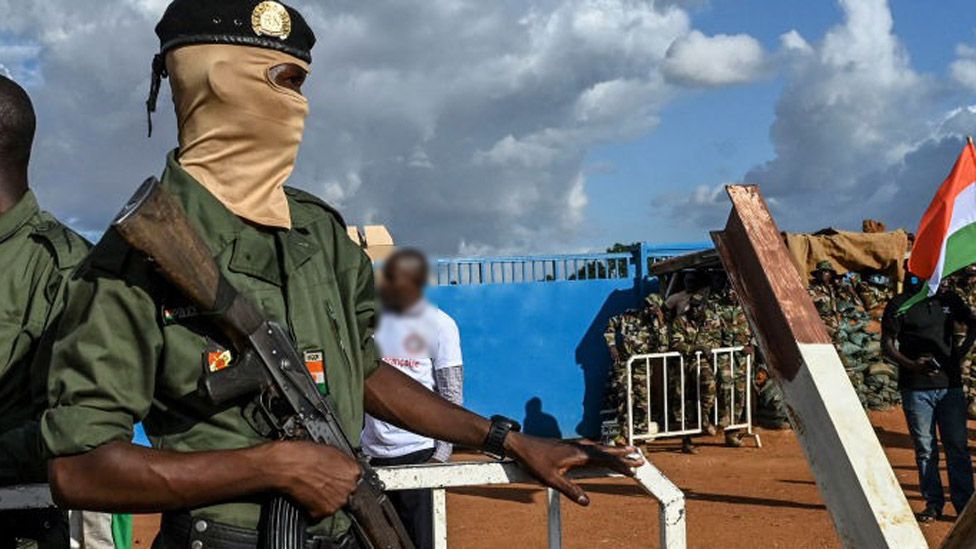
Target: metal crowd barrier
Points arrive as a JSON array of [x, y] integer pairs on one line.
[[745, 420], [665, 428], [438, 477], [654, 431]]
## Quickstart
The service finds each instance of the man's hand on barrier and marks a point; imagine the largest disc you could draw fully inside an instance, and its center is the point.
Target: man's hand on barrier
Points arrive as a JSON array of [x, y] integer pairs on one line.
[[549, 461]]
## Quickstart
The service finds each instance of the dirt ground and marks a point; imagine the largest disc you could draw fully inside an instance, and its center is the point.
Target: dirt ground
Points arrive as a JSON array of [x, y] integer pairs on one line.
[[744, 497]]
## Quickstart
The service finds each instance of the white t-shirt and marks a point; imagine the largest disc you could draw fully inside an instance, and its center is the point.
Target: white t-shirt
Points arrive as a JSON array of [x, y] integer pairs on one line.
[[416, 342]]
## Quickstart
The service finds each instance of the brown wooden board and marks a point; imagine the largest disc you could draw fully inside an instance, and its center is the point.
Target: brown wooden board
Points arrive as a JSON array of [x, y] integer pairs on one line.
[[855, 479]]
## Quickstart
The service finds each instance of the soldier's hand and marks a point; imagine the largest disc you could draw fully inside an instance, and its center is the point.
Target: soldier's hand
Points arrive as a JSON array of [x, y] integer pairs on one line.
[[614, 355], [316, 476], [549, 461]]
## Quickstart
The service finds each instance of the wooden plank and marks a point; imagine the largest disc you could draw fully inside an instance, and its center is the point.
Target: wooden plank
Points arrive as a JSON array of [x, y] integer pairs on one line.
[[963, 533], [862, 494]]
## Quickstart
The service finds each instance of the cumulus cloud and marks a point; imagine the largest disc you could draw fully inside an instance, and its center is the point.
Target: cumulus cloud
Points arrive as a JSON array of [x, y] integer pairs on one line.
[[699, 60], [461, 124], [963, 69], [857, 132]]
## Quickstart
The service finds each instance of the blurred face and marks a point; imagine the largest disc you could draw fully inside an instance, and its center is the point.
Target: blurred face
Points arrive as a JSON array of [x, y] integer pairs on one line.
[[400, 288]]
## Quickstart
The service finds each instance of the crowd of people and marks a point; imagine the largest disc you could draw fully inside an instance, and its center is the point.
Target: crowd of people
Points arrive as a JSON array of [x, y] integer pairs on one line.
[[702, 317], [706, 316]]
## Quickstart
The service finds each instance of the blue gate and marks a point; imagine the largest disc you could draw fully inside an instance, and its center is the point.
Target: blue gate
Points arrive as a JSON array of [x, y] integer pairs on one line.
[[532, 330]]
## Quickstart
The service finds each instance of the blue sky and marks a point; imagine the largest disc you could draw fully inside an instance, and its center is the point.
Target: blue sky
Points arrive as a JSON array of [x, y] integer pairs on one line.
[[718, 135], [472, 127]]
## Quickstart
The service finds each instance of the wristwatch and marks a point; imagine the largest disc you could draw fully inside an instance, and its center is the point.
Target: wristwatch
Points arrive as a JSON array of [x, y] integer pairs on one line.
[[494, 445]]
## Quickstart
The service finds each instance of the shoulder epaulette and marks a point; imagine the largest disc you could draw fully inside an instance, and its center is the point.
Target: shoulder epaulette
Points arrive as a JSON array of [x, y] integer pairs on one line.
[[303, 197], [69, 248]]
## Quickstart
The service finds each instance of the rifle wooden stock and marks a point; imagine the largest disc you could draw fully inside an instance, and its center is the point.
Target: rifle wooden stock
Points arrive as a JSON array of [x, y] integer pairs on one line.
[[154, 223]]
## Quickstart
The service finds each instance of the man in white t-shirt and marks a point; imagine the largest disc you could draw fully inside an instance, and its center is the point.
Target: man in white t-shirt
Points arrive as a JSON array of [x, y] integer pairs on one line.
[[422, 342]]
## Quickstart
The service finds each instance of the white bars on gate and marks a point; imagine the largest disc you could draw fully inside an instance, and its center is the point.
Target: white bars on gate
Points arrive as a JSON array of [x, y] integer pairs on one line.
[[671, 512], [644, 362], [652, 431], [745, 419], [438, 477]]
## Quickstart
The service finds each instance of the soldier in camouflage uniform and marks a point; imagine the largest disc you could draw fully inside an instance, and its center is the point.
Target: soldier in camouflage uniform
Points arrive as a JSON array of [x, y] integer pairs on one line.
[[964, 284], [732, 387], [823, 292], [875, 291], [634, 332], [697, 330]]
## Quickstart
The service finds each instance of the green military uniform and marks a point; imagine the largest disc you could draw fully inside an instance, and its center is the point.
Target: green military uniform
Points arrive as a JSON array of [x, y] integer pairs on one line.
[[698, 330], [734, 333], [37, 254], [824, 297], [633, 332], [875, 292], [131, 349], [964, 284]]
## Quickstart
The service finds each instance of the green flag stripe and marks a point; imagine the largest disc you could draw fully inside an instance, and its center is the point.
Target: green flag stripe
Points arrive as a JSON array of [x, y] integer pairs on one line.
[[960, 253], [960, 250]]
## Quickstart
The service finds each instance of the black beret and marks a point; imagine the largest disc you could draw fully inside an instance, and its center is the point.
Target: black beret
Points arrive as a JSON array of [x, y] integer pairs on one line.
[[263, 24]]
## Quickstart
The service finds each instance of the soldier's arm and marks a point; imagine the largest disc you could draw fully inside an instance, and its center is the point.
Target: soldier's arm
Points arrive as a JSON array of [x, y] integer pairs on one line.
[[102, 380], [394, 397], [120, 477]]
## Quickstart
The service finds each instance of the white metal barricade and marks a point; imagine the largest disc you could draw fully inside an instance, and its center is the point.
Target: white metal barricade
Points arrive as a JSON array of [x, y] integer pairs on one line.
[[668, 361], [438, 477], [671, 512], [744, 421], [646, 361]]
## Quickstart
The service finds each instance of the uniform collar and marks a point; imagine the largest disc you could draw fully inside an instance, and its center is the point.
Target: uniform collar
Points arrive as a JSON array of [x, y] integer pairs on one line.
[[254, 252], [13, 219]]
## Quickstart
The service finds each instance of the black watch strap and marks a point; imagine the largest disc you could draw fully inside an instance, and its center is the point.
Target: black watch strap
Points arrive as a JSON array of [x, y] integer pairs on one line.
[[494, 444]]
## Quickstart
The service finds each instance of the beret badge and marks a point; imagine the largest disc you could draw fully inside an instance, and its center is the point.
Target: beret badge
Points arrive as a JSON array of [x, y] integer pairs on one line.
[[271, 19]]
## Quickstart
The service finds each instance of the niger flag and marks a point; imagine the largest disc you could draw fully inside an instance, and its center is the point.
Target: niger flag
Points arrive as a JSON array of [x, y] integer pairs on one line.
[[946, 238]]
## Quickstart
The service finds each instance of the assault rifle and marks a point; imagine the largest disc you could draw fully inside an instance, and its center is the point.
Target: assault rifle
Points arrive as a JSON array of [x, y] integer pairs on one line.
[[268, 365]]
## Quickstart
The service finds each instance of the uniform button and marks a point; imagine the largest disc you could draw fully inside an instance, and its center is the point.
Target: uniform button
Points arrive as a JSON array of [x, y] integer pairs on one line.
[[201, 526], [197, 544]]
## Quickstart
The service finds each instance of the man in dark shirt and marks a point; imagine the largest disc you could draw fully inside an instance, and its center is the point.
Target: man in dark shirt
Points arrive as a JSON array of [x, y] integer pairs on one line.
[[920, 342]]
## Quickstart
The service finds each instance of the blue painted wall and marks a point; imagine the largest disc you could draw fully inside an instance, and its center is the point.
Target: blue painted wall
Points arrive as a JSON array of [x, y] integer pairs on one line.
[[534, 351], [540, 340]]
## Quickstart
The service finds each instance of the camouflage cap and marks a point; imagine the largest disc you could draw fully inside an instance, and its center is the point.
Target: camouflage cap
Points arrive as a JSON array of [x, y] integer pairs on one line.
[[824, 266]]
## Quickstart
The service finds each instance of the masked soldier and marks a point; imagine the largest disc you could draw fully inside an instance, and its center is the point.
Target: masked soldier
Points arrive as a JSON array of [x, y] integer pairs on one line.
[[37, 253], [130, 348], [634, 332]]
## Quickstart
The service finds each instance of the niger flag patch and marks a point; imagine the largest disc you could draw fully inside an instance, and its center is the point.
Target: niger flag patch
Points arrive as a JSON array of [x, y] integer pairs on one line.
[[315, 362], [218, 360]]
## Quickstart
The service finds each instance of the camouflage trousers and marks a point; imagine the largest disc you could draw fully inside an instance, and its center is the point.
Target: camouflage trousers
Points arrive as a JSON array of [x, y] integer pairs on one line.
[[731, 390], [706, 388], [618, 391], [968, 381]]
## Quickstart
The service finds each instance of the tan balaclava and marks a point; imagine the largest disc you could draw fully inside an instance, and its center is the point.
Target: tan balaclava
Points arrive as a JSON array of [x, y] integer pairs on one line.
[[239, 132]]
